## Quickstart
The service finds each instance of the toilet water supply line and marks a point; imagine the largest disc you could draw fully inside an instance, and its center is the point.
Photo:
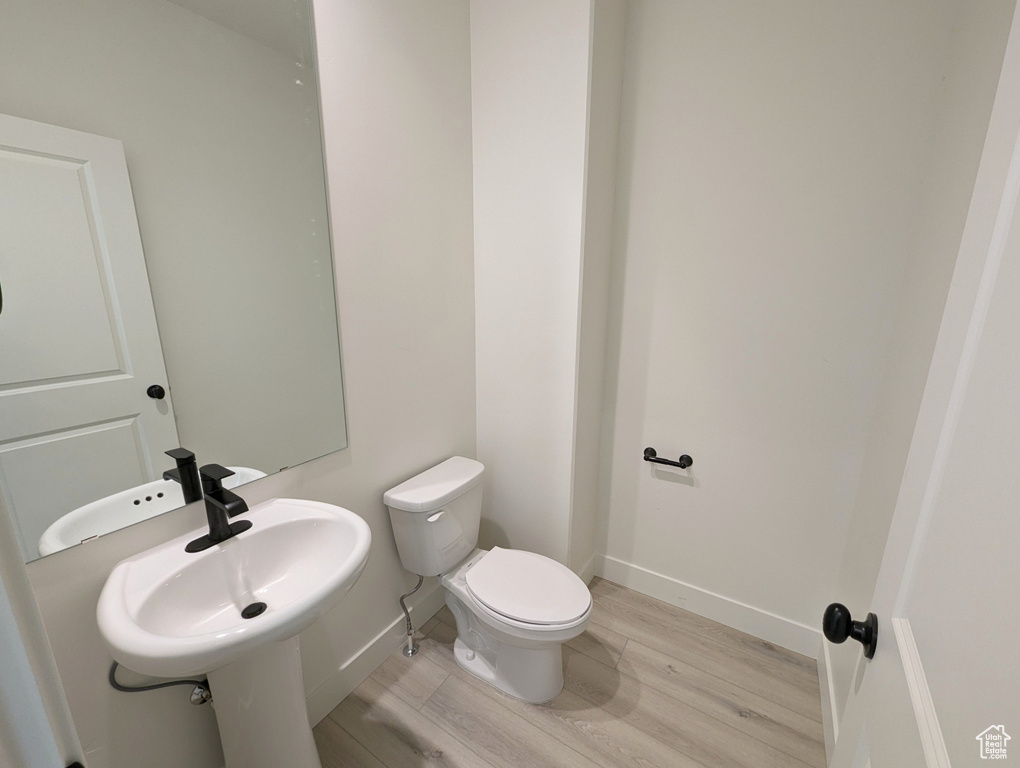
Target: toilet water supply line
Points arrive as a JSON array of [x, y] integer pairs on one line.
[[412, 647]]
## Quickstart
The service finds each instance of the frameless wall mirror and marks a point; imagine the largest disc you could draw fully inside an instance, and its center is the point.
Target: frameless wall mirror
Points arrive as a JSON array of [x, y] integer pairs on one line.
[[164, 255]]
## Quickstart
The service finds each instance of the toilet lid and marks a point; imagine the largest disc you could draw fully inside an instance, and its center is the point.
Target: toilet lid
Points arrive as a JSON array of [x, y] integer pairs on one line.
[[528, 587]]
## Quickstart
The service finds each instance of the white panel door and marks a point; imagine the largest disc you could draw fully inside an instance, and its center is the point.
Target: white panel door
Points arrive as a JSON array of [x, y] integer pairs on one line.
[[944, 686], [78, 339]]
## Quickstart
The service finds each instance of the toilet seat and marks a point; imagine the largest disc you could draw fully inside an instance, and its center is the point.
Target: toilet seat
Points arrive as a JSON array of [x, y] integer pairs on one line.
[[528, 587]]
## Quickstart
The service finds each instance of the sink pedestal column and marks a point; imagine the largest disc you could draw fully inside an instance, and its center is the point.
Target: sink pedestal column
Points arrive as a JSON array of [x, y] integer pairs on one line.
[[261, 710]]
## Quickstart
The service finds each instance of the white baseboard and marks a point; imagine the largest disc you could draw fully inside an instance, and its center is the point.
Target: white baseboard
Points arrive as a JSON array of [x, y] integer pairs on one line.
[[932, 742], [830, 712], [755, 621], [353, 672], [587, 572]]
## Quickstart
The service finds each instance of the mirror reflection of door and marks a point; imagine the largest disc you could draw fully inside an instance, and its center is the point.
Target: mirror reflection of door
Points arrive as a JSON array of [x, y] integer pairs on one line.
[[78, 339]]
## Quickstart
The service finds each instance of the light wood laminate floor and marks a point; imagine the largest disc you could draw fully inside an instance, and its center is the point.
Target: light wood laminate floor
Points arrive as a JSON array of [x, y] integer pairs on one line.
[[646, 685]]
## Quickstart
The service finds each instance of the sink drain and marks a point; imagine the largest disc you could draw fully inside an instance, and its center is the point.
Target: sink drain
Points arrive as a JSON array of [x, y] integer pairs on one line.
[[253, 610]]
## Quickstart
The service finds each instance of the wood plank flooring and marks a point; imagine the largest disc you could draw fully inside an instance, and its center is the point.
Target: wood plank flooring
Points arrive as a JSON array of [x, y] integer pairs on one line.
[[647, 685]]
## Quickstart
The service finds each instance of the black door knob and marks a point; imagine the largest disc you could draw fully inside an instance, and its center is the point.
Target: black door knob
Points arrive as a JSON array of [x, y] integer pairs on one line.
[[838, 626], [156, 392]]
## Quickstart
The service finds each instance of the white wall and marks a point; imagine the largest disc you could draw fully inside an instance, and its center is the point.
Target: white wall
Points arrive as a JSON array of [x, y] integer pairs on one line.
[[35, 724], [771, 165], [605, 81], [396, 105], [529, 110], [978, 44], [223, 148]]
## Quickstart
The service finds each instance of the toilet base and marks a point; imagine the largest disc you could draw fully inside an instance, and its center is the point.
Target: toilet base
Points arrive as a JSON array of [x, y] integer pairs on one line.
[[532, 675], [527, 670], [522, 660]]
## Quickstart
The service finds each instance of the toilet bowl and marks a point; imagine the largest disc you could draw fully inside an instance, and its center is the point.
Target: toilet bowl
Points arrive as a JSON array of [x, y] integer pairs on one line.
[[510, 632], [514, 609]]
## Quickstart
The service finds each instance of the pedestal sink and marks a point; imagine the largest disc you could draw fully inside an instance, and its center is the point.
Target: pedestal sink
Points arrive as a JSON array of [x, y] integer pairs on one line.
[[232, 612]]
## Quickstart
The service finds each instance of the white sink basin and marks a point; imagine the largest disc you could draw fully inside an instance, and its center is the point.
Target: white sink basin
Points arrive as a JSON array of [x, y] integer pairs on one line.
[[120, 510], [170, 613]]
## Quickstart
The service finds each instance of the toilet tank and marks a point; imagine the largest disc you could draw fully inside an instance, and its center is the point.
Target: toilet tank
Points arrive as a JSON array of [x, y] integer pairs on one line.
[[435, 515]]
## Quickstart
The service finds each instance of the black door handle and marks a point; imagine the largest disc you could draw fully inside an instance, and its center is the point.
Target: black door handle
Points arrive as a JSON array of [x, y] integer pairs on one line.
[[156, 392], [838, 626]]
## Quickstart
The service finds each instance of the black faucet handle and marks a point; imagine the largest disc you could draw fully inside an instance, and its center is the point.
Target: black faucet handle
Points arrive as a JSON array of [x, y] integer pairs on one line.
[[181, 455], [215, 471], [213, 476], [186, 473]]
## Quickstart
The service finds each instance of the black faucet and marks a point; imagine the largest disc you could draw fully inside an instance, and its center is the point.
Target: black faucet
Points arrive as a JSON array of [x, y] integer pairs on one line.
[[220, 504], [186, 474]]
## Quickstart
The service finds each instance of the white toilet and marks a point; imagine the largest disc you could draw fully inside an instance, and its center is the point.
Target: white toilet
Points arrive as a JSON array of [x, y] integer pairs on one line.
[[514, 609]]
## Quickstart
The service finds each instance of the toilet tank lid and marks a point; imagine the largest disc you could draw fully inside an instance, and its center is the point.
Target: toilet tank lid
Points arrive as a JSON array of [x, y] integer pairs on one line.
[[436, 487]]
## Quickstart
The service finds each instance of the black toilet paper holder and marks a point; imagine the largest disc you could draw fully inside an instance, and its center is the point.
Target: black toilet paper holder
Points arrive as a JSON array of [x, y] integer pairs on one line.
[[684, 462]]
